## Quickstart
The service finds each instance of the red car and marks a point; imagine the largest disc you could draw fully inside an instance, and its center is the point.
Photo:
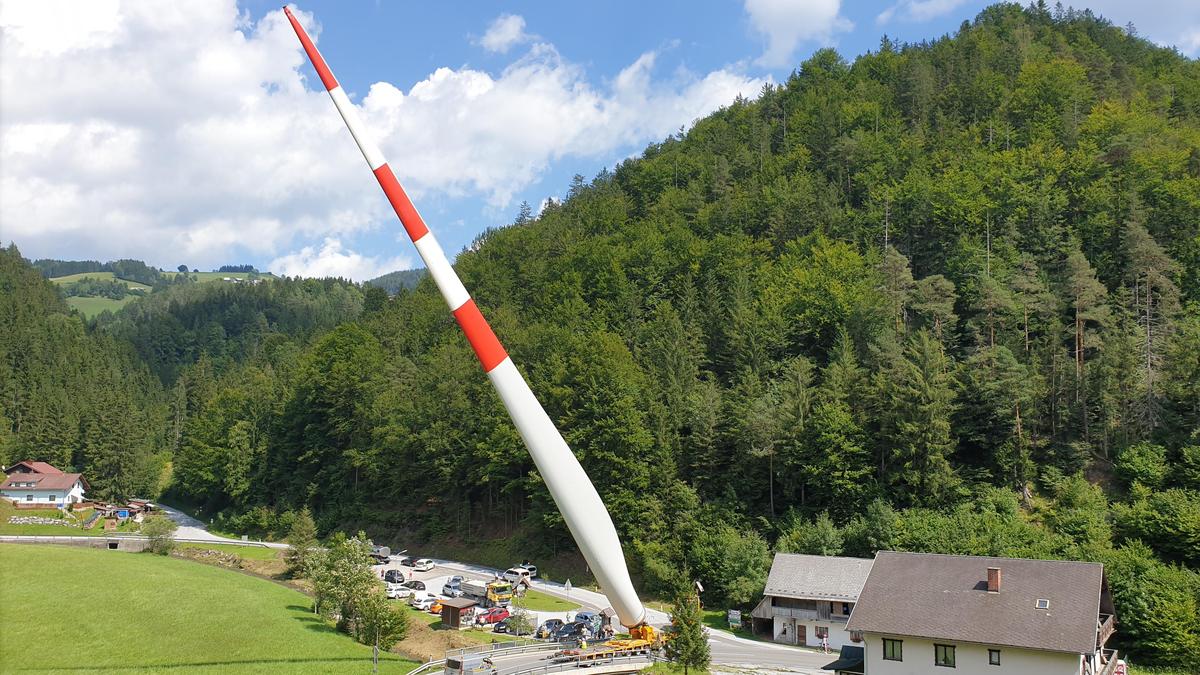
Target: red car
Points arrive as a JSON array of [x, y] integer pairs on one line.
[[493, 615]]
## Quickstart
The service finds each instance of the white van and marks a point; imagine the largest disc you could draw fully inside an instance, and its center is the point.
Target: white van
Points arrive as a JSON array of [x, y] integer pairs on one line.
[[515, 575]]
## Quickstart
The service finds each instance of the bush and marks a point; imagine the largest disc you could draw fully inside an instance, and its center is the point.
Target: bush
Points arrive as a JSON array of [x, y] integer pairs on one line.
[[820, 537], [1187, 472], [731, 562], [1168, 521], [161, 531], [1143, 463]]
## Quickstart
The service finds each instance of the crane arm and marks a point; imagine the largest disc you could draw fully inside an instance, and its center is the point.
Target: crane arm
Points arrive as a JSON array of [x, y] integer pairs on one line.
[[582, 509]]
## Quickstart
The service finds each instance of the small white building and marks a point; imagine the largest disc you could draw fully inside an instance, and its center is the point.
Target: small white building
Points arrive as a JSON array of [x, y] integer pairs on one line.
[[922, 613], [39, 483], [809, 598]]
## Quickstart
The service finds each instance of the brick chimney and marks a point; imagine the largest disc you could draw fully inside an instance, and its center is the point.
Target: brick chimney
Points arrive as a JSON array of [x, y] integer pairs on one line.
[[993, 580]]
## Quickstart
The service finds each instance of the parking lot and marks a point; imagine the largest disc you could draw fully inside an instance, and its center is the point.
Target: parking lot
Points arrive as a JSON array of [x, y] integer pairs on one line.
[[436, 578]]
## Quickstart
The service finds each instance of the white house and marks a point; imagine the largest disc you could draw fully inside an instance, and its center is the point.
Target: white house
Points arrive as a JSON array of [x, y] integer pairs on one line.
[[809, 598], [924, 613], [40, 483]]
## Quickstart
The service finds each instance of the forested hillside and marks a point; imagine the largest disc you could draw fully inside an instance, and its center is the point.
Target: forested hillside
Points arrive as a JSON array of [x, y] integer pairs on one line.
[[945, 298]]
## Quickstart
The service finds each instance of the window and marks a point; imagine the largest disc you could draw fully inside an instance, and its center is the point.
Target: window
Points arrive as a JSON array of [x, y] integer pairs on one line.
[[893, 650], [50, 498], [1043, 603], [846, 608], [28, 498], [822, 632], [993, 657], [943, 655]]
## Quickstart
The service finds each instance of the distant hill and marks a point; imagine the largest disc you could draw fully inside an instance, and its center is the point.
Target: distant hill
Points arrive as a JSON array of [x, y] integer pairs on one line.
[[93, 287], [392, 282]]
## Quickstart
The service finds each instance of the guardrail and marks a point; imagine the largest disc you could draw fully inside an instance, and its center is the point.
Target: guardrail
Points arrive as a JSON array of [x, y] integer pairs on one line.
[[424, 668], [62, 538], [575, 665], [505, 648]]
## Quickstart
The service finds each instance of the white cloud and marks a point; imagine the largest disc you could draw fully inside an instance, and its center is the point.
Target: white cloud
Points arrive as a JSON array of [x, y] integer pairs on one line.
[[918, 10], [333, 260], [190, 136], [787, 23], [1167, 22], [505, 32]]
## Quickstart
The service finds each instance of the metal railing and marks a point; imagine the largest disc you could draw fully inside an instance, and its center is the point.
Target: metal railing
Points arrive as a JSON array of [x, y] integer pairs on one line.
[[574, 665], [506, 648], [426, 667]]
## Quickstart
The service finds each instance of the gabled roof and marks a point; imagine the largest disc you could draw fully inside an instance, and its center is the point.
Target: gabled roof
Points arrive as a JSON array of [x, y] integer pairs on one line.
[[946, 597], [817, 577], [52, 481], [35, 467]]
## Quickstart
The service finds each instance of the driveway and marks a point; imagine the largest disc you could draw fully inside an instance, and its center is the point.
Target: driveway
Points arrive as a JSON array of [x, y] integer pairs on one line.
[[190, 528]]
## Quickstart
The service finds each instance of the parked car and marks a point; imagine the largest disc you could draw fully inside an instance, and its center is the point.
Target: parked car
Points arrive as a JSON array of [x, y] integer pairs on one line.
[[394, 576], [423, 565], [493, 615], [436, 607], [548, 628], [407, 561], [453, 587], [395, 591], [415, 585], [530, 567], [591, 619], [422, 600], [572, 631], [507, 626], [515, 575]]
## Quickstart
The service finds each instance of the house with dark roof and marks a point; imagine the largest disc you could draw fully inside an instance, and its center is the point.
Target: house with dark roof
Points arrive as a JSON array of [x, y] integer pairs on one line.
[[809, 598], [927, 613], [39, 483]]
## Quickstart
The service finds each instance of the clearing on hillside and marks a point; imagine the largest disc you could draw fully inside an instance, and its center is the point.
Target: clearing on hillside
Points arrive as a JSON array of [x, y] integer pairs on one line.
[[99, 276], [138, 611]]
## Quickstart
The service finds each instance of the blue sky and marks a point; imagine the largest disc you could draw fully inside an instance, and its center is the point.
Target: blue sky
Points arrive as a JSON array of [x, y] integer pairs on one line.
[[200, 135]]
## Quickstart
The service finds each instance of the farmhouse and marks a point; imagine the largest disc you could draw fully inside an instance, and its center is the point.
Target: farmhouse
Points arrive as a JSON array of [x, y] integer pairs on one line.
[[809, 598], [39, 483], [924, 613]]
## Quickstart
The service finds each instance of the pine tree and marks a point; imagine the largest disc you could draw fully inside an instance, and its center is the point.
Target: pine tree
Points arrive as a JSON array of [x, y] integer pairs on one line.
[[1155, 299], [302, 540], [688, 645], [1087, 297]]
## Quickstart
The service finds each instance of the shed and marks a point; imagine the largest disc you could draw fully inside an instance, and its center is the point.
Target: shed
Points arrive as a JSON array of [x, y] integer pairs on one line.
[[850, 661], [456, 612]]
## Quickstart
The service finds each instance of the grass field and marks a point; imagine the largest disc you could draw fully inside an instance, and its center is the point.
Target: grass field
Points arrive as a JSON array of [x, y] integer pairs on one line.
[[101, 276], [539, 601], [91, 307], [137, 612]]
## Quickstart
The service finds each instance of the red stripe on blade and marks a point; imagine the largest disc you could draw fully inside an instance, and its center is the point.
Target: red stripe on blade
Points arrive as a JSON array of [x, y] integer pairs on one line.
[[405, 211], [323, 71], [480, 335]]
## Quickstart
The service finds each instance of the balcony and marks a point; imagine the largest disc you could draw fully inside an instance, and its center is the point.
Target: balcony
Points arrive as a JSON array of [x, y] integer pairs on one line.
[[1108, 664], [806, 614], [1105, 626]]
